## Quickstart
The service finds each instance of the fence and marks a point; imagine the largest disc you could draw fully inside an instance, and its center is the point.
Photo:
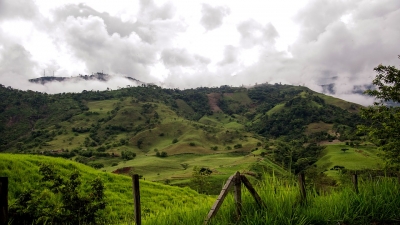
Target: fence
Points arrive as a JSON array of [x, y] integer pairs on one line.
[[235, 180]]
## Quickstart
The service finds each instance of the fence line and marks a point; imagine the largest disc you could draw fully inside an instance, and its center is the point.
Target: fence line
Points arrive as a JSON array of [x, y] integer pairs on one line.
[[235, 180]]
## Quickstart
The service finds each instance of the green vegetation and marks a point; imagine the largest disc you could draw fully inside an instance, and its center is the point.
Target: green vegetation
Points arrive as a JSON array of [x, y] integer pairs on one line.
[[377, 203], [23, 173], [195, 139], [383, 121]]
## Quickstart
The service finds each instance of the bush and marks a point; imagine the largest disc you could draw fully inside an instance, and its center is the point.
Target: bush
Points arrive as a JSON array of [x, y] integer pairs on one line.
[[192, 144], [38, 206], [96, 165], [162, 154], [128, 155], [238, 146], [174, 141]]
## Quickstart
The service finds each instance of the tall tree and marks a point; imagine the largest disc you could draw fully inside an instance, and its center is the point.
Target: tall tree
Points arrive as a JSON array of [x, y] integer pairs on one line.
[[383, 117]]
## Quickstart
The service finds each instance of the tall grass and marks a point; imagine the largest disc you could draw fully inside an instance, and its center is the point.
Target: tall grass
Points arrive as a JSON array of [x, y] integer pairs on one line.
[[377, 202]]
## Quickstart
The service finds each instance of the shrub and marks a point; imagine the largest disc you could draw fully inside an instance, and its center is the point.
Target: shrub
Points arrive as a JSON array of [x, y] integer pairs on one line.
[[174, 141], [96, 165], [192, 144], [162, 154], [238, 146], [38, 206], [128, 155]]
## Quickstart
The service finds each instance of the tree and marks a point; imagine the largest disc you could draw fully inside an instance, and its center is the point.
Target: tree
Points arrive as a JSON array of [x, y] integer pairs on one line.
[[344, 149], [59, 200], [383, 119], [200, 179]]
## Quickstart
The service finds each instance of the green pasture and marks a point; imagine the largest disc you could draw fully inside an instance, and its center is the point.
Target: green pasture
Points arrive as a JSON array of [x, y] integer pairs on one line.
[[158, 169], [356, 158]]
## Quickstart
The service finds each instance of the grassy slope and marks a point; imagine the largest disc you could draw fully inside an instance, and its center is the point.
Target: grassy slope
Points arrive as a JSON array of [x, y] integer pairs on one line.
[[318, 127], [22, 171], [363, 157], [349, 106], [377, 201], [158, 169]]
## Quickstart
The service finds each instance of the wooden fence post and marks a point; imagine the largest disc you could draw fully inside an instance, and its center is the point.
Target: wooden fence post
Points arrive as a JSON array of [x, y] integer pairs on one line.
[[136, 198], [253, 192], [238, 194], [355, 182], [3, 200], [220, 199], [302, 185]]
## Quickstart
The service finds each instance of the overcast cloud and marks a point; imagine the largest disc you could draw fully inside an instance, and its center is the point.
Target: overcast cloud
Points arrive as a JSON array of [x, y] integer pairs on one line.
[[188, 44]]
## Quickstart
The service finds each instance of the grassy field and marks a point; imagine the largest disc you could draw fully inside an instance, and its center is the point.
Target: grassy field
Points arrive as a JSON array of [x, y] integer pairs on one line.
[[355, 158], [223, 165], [349, 106], [318, 127], [276, 109], [377, 202], [22, 171]]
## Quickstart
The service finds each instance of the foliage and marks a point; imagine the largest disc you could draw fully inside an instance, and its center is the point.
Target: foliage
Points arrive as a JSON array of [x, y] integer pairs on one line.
[[384, 121], [74, 207], [128, 155], [200, 179], [295, 156], [162, 154]]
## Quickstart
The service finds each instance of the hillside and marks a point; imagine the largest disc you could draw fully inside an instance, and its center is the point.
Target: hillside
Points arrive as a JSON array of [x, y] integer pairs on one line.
[[23, 173], [161, 204], [225, 128]]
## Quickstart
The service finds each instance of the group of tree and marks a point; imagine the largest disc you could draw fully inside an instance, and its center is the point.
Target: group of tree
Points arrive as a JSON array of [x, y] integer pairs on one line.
[[383, 127], [59, 200]]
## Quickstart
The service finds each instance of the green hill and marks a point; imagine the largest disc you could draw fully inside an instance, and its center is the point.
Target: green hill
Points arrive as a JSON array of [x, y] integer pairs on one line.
[[148, 127], [377, 202], [23, 173]]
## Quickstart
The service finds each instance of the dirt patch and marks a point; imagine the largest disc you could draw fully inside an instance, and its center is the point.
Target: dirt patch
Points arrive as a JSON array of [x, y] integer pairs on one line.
[[362, 152], [329, 142], [123, 170], [213, 99]]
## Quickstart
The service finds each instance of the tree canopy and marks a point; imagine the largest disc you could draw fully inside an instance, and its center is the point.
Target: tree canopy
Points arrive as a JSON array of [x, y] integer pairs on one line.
[[384, 116]]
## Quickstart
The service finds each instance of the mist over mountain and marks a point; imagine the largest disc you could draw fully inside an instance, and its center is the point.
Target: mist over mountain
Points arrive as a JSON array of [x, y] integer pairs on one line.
[[199, 44]]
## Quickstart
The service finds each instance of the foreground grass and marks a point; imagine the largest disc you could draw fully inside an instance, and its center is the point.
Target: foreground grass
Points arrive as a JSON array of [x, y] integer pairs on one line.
[[377, 203], [22, 171]]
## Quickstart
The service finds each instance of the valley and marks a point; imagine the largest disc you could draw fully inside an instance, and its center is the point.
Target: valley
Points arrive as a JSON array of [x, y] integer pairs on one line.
[[168, 135]]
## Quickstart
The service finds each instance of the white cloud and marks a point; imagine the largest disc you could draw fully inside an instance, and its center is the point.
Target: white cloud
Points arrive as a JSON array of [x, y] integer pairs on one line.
[[200, 42]]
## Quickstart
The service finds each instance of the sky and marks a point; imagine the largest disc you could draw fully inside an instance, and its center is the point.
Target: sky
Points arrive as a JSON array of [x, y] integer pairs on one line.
[[197, 43]]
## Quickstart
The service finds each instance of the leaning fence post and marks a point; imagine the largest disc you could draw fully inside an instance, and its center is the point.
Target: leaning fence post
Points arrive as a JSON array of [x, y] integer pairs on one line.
[[355, 182], [302, 186], [3, 200], [136, 198], [252, 191], [238, 195], [220, 199]]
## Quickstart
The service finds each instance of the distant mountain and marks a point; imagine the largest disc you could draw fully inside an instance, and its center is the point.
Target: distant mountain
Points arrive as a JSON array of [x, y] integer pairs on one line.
[[99, 76], [357, 89]]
